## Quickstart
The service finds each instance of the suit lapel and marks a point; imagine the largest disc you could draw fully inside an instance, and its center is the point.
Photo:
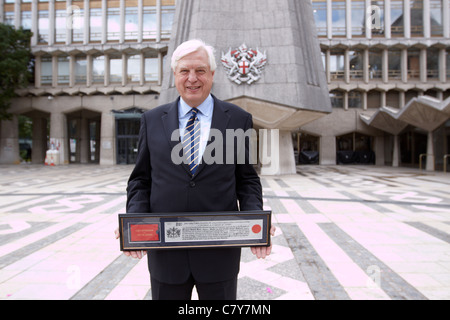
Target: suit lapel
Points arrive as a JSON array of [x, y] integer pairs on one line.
[[171, 123], [220, 119]]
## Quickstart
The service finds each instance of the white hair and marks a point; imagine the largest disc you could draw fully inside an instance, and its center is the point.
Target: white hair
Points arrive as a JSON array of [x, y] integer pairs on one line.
[[191, 46]]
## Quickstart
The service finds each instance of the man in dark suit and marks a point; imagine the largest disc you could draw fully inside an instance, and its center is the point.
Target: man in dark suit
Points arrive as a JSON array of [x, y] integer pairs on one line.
[[160, 184]]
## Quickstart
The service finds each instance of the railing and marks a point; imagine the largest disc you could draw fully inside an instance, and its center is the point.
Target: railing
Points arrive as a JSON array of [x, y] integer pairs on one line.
[[425, 155]]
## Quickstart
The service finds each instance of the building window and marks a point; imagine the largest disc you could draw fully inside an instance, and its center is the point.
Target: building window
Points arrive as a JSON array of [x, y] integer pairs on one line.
[[413, 64], [337, 99], [26, 20], [394, 66], [60, 25], [167, 14], [355, 99], [432, 63], [377, 21], [95, 24], [151, 69], [77, 27], [134, 68], [46, 70], [397, 18], [63, 70], [149, 28], [374, 99], [131, 23], [436, 17], [320, 16], [9, 18], [375, 64], [358, 18], [43, 26], [98, 69], [356, 65], [113, 24], [115, 69], [337, 59], [80, 69], [416, 18], [338, 17]]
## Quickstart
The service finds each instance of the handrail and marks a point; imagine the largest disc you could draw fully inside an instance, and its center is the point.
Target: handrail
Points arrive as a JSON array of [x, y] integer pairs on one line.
[[445, 161], [420, 159]]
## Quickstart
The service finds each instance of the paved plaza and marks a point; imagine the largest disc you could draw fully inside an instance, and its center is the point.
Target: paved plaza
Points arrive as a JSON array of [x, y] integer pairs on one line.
[[343, 232]]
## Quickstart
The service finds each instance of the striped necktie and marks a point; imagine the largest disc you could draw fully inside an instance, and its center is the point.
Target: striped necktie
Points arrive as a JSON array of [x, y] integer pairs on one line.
[[191, 141]]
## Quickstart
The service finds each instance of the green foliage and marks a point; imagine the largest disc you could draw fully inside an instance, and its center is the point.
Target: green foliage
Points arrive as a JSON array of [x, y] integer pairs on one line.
[[15, 64]]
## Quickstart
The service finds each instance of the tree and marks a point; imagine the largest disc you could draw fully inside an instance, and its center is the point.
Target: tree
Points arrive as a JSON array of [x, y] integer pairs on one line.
[[15, 64]]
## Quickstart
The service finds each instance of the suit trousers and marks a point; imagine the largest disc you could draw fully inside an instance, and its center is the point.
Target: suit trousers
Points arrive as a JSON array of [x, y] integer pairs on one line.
[[225, 290]]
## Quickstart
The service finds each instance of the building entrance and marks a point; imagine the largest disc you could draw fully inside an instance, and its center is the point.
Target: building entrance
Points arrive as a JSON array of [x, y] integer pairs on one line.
[[128, 124], [84, 136]]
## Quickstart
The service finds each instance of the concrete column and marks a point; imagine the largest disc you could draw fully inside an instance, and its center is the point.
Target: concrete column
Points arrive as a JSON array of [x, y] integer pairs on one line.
[[140, 20], [17, 17], [327, 65], [396, 152], [124, 69], [107, 70], [423, 65], [327, 150], [346, 66], [89, 70], [442, 65], [37, 72], [404, 65], [348, 18], [34, 22], [385, 66], [107, 139], [158, 21], [367, 20], [71, 71], [58, 133], [39, 140], [87, 22], [54, 71], [382, 98], [446, 18], [104, 21], [122, 21], [366, 65], [142, 69], [430, 152], [426, 19], [329, 20], [276, 152], [387, 19], [9, 141], [379, 150], [51, 22], [69, 30], [407, 18]]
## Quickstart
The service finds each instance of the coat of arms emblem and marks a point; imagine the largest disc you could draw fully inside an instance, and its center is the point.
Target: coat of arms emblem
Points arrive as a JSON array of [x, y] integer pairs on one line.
[[244, 65]]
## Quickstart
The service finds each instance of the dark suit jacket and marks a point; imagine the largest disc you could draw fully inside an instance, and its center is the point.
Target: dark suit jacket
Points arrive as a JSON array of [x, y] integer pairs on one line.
[[158, 185]]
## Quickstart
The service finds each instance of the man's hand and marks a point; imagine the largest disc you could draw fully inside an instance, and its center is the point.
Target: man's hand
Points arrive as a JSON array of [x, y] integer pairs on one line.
[[135, 254], [263, 252]]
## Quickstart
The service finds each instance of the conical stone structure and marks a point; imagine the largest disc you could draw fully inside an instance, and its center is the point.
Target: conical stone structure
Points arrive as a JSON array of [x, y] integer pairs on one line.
[[269, 62]]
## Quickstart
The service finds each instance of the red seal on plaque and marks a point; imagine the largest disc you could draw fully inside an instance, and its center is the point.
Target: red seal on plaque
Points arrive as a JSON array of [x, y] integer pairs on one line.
[[144, 232], [256, 228]]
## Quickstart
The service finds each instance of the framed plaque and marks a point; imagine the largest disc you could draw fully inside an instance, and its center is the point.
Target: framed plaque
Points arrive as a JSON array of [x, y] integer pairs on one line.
[[194, 230]]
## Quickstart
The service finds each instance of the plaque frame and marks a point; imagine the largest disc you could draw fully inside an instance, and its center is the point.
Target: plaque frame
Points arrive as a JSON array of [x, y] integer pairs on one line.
[[150, 230]]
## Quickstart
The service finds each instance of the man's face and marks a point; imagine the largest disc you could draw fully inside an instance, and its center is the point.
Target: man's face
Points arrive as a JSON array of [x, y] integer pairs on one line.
[[194, 78]]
